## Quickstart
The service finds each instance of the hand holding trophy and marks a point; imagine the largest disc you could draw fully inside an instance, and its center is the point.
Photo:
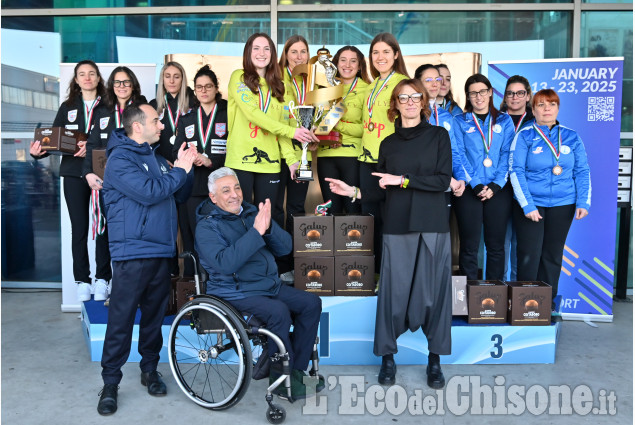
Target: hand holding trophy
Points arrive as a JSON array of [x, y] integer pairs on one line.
[[306, 116]]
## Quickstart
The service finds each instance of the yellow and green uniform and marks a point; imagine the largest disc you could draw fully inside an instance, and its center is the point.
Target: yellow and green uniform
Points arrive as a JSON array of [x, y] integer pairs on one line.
[[290, 95], [253, 142], [350, 125], [382, 125]]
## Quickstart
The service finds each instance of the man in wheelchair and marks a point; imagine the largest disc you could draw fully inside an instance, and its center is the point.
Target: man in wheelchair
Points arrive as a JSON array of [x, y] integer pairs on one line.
[[236, 243]]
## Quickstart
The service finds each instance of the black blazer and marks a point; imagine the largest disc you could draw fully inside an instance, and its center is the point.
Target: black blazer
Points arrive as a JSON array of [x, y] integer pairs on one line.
[[424, 155]]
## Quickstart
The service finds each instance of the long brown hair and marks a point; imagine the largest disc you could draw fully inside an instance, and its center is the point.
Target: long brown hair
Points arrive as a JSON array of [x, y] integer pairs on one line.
[[283, 62], [362, 72], [393, 111], [111, 97], [273, 77], [75, 91], [517, 79], [399, 65], [480, 78], [449, 98]]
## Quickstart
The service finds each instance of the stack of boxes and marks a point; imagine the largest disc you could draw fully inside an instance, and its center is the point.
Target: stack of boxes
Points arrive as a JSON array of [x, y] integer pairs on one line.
[[492, 301], [333, 255]]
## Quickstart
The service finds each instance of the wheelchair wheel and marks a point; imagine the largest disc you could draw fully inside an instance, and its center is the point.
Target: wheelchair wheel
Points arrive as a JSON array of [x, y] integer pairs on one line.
[[210, 354]]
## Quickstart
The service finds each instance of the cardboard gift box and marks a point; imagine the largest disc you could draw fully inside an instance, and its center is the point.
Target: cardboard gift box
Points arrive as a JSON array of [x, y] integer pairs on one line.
[[459, 296], [355, 275], [312, 235], [353, 234], [314, 275], [59, 140], [99, 162], [529, 303], [487, 301]]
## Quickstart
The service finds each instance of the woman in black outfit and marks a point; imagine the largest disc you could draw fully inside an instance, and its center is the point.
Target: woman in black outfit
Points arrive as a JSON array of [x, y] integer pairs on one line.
[[203, 129], [122, 89], [77, 113], [414, 170]]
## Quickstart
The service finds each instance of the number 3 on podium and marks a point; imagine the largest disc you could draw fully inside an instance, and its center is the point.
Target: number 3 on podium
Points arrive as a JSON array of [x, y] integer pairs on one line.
[[497, 352]]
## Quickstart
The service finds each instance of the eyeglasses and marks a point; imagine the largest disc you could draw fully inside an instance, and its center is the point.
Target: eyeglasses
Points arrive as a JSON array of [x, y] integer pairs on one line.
[[473, 94], [519, 93], [206, 87], [119, 83], [415, 97], [431, 80]]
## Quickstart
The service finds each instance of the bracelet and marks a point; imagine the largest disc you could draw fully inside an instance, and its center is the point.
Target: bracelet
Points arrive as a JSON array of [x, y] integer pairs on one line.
[[355, 193], [406, 180], [402, 180]]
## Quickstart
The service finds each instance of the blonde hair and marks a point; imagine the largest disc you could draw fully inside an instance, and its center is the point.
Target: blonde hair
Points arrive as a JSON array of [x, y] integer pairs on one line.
[[184, 97]]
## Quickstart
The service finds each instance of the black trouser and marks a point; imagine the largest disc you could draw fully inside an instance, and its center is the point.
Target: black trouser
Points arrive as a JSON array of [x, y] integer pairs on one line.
[[341, 168], [187, 224], [369, 182], [289, 306], [257, 187], [77, 195], [541, 244], [145, 283], [296, 197], [474, 215]]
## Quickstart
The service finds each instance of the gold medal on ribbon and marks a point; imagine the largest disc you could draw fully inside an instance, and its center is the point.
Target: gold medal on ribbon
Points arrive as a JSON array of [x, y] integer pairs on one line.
[[557, 170], [371, 126], [487, 162]]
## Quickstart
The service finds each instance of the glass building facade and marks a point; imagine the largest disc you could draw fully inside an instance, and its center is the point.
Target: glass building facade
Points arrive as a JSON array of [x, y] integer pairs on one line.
[[91, 29]]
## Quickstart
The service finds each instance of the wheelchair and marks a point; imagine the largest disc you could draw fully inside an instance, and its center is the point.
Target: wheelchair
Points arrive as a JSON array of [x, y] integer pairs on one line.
[[213, 349]]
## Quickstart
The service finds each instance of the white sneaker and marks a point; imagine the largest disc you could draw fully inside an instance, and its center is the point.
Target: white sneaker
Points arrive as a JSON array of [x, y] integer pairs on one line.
[[83, 291], [102, 289]]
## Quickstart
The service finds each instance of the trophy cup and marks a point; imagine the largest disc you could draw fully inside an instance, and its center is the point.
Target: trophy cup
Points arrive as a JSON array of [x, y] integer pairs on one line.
[[306, 116]]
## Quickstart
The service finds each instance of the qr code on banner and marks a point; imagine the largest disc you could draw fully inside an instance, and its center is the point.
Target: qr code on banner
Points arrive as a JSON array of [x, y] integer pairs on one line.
[[601, 109]]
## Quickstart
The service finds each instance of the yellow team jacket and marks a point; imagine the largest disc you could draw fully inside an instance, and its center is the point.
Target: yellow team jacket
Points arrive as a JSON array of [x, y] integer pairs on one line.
[[383, 127], [350, 125], [253, 141]]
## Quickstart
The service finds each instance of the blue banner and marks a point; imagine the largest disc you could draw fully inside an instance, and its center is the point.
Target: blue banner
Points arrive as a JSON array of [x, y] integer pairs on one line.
[[590, 93]]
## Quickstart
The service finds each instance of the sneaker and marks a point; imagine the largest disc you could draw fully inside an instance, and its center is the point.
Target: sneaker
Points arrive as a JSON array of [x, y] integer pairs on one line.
[[83, 291], [298, 389], [102, 290]]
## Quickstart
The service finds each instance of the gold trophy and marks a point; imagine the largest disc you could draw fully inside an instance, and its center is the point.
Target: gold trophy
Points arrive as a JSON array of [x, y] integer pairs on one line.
[[324, 90]]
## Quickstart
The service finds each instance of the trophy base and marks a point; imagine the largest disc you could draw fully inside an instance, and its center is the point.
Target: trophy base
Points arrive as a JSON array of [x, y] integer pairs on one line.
[[304, 175]]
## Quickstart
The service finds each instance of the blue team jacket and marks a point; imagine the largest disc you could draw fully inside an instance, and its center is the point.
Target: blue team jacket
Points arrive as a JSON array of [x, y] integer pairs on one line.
[[473, 151], [240, 262], [531, 165], [446, 120], [139, 194]]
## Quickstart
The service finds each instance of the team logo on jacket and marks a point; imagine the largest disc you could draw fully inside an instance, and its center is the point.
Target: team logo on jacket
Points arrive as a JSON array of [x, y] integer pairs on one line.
[[447, 125], [72, 115], [565, 149], [498, 128], [189, 131], [220, 129], [145, 166], [103, 123], [537, 150], [163, 169], [471, 130]]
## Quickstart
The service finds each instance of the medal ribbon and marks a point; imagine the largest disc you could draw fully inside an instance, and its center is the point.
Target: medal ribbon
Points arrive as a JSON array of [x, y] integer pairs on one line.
[[173, 121], [436, 113], [119, 114], [490, 133], [300, 93], [212, 117], [264, 101], [88, 117], [520, 122], [99, 220], [373, 96], [353, 85], [552, 148]]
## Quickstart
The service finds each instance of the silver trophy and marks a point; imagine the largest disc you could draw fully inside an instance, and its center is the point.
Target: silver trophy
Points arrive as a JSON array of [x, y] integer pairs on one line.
[[307, 117]]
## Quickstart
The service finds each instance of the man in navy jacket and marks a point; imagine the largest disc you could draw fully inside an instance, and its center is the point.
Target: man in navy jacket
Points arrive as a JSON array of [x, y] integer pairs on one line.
[[139, 193], [236, 243]]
